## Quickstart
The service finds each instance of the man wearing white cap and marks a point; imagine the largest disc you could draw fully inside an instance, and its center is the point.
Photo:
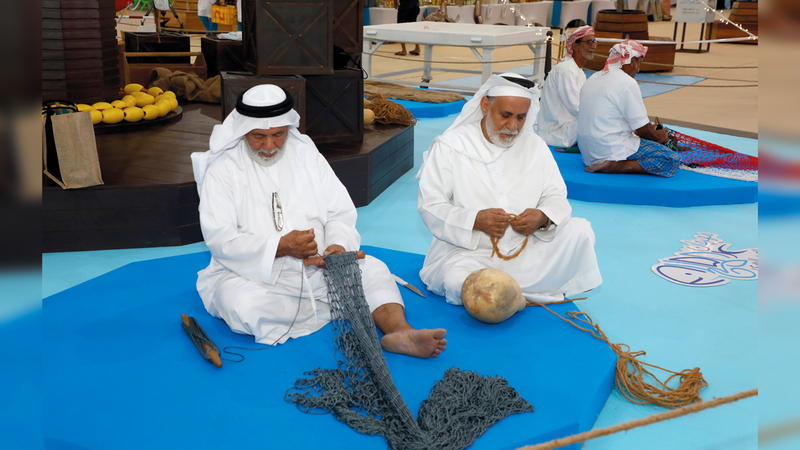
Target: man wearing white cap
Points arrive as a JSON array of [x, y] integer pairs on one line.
[[558, 117], [492, 195], [614, 133], [268, 199]]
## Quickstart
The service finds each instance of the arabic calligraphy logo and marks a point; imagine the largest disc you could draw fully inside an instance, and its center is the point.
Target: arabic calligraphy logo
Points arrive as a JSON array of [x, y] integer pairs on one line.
[[707, 261]]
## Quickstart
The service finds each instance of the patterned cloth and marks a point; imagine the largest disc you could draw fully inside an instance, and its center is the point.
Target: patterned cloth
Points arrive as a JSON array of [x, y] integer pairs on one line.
[[657, 159], [622, 53], [583, 31]]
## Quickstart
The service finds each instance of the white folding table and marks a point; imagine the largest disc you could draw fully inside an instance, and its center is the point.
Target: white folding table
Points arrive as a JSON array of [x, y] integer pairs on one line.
[[481, 39]]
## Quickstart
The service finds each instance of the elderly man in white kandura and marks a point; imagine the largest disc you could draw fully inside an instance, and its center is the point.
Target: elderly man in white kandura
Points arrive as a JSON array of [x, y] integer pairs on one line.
[[493, 197], [269, 199]]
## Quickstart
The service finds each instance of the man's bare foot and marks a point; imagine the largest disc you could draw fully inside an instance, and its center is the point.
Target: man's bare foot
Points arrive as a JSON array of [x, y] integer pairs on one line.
[[626, 166], [420, 343], [599, 167], [400, 53]]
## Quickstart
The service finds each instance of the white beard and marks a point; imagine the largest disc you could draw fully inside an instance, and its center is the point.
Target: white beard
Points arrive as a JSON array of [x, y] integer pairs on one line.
[[255, 155], [496, 136]]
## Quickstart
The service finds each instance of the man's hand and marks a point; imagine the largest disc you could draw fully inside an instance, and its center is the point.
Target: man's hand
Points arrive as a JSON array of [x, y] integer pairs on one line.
[[529, 221], [335, 248], [493, 222], [297, 244], [649, 132]]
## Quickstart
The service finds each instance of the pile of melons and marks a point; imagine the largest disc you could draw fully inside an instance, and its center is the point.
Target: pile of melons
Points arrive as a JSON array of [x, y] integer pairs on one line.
[[137, 104]]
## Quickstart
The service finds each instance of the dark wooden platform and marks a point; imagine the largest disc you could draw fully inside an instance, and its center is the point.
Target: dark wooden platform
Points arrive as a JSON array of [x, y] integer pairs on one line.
[[150, 198]]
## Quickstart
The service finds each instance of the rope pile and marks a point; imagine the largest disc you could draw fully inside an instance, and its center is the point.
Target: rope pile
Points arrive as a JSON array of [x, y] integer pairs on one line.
[[631, 373], [387, 111], [360, 391]]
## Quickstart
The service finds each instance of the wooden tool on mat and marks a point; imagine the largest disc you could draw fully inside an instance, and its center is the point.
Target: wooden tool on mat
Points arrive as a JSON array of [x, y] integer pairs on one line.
[[320, 261], [205, 346]]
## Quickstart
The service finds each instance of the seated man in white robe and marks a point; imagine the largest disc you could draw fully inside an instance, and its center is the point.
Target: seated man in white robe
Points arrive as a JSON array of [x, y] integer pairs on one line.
[[268, 200], [558, 116], [614, 133], [492, 195]]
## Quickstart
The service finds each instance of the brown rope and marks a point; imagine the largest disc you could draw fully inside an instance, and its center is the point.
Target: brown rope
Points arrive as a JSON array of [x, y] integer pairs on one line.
[[496, 250], [630, 374], [592, 434], [387, 111]]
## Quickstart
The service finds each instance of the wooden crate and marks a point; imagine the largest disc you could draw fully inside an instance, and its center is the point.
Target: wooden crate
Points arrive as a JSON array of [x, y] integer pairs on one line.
[[162, 42], [79, 51], [335, 106], [222, 55], [656, 54], [234, 83], [140, 72], [288, 37], [348, 25], [745, 14]]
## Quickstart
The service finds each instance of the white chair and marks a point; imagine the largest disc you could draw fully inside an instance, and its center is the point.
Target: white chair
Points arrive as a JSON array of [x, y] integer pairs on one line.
[[573, 11], [381, 16], [599, 5], [536, 13], [498, 14], [463, 13]]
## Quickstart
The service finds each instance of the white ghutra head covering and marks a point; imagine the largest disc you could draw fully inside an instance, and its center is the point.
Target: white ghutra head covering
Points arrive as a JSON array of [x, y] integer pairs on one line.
[[502, 85], [259, 108]]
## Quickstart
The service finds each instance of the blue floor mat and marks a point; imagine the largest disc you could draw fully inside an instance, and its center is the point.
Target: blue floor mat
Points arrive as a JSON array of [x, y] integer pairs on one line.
[[120, 373], [684, 189]]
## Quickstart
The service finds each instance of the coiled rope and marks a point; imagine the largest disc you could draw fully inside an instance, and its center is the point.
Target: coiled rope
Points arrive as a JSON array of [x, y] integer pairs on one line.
[[631, 373]]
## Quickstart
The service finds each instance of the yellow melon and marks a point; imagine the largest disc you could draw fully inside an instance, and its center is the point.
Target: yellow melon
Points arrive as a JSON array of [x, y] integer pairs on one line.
[[164, 107], [100, 106], [129, 100], [84, 107], [170, 93], [97, 116], [133, 114], [155, 91], [144, 100], [113, 115], [119, 104], [133, 87], [173, 103], [150, 112]]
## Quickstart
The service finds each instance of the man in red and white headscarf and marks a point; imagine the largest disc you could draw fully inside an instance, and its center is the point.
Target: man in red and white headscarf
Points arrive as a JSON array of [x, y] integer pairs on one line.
[[558, 116], [269, 199], [614, 133]]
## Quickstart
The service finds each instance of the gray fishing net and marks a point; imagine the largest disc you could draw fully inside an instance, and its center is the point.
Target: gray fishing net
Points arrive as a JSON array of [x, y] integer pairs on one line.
[[360, 391]]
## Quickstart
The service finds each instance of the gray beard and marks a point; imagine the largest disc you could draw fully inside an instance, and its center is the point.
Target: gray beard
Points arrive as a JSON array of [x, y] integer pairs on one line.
[[494, 134], [266, 162]]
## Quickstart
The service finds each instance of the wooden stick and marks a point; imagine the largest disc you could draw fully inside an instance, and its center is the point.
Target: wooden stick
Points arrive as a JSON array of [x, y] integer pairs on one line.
[[592, 434]]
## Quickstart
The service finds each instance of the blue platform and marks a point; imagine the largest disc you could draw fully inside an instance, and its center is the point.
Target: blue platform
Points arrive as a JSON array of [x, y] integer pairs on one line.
[[120, 373], [684, 189]]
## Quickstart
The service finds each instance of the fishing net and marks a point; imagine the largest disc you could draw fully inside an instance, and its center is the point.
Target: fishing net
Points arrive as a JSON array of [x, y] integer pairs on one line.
[[360, 391], [705, 157]]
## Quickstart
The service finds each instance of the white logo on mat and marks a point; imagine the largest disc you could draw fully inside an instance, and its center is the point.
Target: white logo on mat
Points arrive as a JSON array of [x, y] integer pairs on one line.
[[707, 261]]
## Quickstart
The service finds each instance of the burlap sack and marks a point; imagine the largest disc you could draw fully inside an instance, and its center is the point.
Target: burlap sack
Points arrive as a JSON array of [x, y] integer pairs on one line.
[[69, 150]]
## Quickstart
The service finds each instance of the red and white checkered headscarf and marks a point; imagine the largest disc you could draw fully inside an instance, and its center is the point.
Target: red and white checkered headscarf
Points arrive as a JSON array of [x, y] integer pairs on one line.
[[585, 30], [622, 54]]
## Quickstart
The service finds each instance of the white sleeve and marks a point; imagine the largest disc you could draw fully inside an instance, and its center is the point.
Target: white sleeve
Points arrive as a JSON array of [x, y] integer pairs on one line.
[[569, 91], [247, 255], [553, 201], [447, 222]]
